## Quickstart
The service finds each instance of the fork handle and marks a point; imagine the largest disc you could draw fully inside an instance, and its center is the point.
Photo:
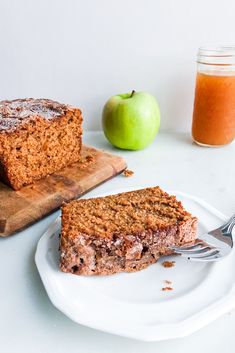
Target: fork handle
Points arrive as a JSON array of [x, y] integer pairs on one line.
[[229, 225]]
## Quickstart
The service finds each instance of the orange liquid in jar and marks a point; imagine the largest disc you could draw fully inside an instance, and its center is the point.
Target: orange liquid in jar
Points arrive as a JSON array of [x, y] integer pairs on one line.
[[214, 110]]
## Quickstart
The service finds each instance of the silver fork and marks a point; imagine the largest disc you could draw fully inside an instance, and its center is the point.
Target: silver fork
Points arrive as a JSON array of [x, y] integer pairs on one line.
[[211, 246]]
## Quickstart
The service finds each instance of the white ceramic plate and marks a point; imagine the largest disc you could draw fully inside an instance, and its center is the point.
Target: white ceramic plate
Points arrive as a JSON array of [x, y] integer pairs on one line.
[[133, 304]]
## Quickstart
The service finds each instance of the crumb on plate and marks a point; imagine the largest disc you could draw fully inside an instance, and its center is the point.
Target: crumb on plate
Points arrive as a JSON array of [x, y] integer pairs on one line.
[[168, 264], [166, 289]]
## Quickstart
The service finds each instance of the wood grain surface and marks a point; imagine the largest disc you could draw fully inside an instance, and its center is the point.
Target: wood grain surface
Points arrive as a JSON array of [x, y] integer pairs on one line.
[[19, 209]]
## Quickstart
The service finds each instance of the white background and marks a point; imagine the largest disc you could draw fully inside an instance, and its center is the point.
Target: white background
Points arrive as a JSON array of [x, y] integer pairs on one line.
[[83, 51]]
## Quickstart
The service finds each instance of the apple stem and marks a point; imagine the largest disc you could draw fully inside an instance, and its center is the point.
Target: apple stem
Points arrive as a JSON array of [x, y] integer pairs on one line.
[[132, 93]]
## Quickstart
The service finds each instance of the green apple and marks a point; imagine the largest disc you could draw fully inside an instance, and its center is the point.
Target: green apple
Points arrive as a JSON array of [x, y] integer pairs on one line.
[[131, 120]]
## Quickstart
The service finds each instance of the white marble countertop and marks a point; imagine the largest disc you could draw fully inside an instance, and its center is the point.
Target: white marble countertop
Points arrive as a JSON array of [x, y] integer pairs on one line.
[[28, 320]]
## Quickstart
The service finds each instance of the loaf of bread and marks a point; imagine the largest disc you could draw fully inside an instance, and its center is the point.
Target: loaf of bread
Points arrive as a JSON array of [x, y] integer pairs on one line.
[[122, 233], [37, 138]]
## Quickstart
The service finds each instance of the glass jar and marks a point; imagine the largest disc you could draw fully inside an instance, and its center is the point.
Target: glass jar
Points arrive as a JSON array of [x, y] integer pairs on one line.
[[214, 102]]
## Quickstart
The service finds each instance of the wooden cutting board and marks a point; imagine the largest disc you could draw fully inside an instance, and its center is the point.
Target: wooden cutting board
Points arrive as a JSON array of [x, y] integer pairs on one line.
[[19, 209]]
